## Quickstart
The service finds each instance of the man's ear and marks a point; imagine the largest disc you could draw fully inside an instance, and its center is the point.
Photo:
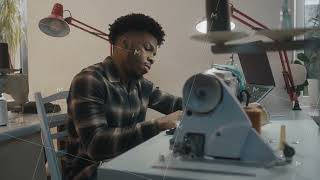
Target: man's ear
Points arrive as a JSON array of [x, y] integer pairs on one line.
[[125, 43]]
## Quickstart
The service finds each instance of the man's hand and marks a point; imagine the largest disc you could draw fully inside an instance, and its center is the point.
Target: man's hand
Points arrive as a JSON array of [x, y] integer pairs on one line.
[[169, 121]]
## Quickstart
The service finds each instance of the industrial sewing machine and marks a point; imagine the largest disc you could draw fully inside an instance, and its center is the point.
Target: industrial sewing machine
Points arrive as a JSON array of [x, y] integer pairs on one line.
[[215, 129], [215, 125], [15, 85], [11, 83]]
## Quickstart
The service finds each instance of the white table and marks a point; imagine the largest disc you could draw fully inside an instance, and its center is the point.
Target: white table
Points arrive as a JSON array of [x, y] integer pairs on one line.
[[302, 133], [21, 155], [19, 125]]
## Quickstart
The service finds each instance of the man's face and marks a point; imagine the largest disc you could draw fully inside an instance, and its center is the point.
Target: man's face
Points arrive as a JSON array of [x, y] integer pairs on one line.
[[143, 48]]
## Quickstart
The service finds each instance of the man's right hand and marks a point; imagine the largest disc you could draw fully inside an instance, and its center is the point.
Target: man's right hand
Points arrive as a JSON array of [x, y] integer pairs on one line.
[[169, 121]]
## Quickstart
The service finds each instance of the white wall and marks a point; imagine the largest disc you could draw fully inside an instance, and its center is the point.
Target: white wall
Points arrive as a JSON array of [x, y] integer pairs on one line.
[[54, 61]]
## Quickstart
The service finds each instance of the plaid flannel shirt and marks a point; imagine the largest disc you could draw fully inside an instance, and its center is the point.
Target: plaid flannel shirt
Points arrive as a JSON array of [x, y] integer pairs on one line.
[[106, 119]]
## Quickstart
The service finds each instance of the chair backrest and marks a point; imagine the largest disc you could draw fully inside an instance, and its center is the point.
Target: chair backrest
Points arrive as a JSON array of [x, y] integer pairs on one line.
[[51, 121]]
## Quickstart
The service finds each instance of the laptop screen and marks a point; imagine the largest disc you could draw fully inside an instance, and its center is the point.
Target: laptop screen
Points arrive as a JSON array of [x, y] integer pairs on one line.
[[256, 69]]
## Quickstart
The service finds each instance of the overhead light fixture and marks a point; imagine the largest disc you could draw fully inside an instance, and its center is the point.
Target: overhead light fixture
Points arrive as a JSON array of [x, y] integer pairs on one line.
[[202, 26]]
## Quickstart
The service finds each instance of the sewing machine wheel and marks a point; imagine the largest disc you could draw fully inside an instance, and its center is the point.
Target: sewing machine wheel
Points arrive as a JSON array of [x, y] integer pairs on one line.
[[202, 92]]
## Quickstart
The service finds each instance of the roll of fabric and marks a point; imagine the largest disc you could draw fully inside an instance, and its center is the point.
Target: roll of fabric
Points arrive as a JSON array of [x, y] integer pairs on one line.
[[255, 116], [258, 116]]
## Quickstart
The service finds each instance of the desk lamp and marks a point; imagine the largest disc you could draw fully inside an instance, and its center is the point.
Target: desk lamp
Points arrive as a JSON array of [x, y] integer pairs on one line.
[[56, 25]]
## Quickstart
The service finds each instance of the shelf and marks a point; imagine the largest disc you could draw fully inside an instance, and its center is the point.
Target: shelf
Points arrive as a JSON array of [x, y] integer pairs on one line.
[[260, 46]]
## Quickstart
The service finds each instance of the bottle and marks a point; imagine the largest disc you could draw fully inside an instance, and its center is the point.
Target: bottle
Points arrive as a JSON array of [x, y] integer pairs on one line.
[[285, 15], [3, 111]]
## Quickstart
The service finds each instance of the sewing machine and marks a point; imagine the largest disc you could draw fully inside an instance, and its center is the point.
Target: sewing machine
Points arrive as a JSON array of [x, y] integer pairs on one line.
[[215, 125], [15, 85], [12, 82]]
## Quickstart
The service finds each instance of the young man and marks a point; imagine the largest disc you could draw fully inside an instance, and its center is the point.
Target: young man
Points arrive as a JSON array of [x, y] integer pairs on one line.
[[108, 101]]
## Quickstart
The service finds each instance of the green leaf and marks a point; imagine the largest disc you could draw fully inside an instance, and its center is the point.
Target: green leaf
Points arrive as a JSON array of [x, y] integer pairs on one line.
[[298, 62], [10, 23], [306, 83], [302, 57], [299, 88]]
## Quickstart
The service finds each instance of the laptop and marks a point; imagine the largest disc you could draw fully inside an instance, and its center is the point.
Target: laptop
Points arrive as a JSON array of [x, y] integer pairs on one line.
[[257, 72]]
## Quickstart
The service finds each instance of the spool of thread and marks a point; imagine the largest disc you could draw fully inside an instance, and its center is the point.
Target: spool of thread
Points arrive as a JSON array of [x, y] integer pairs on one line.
[[218, 15], [255, 116], [282, 137], [264, 113], [3, 112]]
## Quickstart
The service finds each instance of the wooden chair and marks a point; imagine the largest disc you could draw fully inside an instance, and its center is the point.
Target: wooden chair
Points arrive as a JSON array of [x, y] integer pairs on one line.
[[47, 122]]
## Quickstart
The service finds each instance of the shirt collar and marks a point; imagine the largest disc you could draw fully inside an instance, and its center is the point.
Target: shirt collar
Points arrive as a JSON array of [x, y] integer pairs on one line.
[[111, 70], [113, 75]]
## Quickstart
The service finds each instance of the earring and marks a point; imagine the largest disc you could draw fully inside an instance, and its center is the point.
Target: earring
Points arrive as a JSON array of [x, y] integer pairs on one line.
[[136, 52]]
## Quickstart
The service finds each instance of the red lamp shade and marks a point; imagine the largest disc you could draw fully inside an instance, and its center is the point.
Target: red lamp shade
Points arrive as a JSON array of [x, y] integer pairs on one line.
[[55, 25]]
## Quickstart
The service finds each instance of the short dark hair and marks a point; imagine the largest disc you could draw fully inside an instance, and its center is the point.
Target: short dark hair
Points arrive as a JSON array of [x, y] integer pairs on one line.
[[135, 22]]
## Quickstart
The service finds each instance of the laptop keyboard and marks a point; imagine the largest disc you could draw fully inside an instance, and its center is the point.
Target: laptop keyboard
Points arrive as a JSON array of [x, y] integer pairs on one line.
[[257, 92]]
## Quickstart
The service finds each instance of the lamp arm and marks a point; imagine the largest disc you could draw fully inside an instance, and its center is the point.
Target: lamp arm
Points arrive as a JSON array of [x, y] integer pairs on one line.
[[235, 10], [95, 31]]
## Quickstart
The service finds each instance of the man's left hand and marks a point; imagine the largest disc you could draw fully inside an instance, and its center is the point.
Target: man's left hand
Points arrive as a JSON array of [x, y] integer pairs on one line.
[[169, 121]]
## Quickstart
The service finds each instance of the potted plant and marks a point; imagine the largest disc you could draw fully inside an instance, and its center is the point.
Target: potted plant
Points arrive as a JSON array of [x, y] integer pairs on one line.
[[10, 25]]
